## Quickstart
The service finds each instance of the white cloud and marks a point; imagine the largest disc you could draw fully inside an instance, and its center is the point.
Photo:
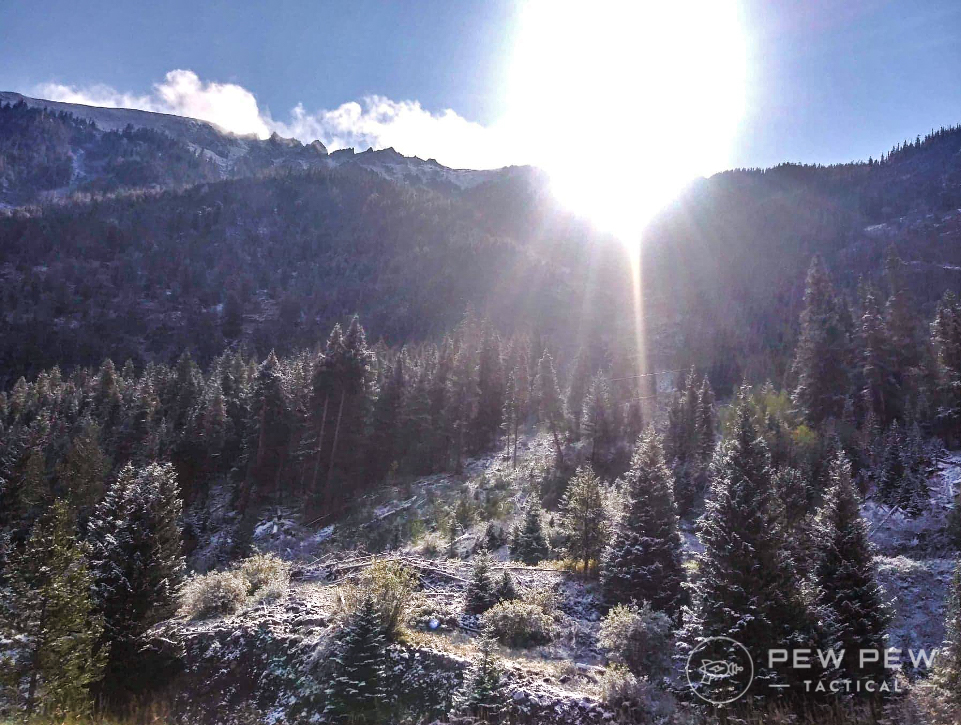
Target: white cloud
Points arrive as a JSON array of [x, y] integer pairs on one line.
[[373, 121]]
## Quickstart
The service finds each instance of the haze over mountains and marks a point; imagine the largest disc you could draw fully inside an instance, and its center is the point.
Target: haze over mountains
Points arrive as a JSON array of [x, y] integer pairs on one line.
[[134, 234]]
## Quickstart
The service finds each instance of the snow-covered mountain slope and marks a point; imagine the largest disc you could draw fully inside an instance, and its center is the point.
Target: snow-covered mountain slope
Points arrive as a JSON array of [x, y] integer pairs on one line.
[[228, 155]]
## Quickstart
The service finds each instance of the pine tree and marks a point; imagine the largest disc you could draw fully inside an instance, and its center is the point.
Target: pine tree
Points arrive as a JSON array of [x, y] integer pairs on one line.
[[882, 390], [530, 544], [848, 596], [599, 425], [643, 560], [385, 424], [577, 390], [461, 401], [901, 321], [491, 384], [584, 516], [948, 663], [135, 555], [483, 695], [416, 435], [481, 589], [946, 338], [511, 416], [32, 486], [746, 586], [822, 356], [52, 610], [84, 468], [549, 401], [357, 691], [268, 430], [506, 588], [706, 422]]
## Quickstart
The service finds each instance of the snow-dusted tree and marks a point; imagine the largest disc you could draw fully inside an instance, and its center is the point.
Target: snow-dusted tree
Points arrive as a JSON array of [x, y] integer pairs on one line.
[[584, 516], [483, 695], [823, 353], [849, 600], [84, 467], [643, 562], [51, 611], [357, 692], [903, 477], [577, 390], [948, 663], [549, 401], [599, 424], [481, 594], [881, 386], [491, 383], [136, 561], [746, 586], [529, 544], [506, 589]]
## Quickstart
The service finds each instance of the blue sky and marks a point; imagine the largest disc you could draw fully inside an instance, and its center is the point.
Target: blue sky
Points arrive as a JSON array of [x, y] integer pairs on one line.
[[826, 80]]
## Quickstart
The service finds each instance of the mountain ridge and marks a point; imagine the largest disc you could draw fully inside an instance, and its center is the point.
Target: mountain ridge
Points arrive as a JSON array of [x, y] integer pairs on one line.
[[222, 154]]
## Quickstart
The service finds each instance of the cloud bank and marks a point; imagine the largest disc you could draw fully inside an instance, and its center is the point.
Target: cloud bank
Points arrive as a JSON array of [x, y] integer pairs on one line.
[[372, 121]]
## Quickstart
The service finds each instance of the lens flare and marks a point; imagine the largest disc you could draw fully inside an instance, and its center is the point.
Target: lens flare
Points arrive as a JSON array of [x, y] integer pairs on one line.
[[623, 103]]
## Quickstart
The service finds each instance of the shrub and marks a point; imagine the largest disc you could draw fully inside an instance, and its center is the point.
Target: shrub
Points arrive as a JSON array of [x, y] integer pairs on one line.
[[621, 689], [207, 595], [267, 576], [391, 585], [432, 615], [639, 638], [519, 624]]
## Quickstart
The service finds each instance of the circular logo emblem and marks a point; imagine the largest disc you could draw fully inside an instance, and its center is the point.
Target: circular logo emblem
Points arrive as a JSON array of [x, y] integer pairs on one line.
[[720, 670]]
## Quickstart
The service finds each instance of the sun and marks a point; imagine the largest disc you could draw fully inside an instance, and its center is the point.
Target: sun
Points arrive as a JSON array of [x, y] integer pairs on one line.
[[623, 103]]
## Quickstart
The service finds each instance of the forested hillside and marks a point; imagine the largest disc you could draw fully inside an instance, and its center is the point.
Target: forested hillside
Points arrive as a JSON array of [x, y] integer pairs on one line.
[[326, 443]]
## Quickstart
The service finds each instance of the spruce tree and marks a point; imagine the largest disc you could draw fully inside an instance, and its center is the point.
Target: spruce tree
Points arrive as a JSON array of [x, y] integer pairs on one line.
[[746, 586], [848, 598], [599, 426], [268, 430], [491, 384], [511, 416], [882, 389], [549, 401], [52, 610], [946, 338], [357, 692], [584, 516], [643, 560], [480, 594], [577, 390], [706, 422], [135, 555], [84, 468], [948, 663], [506, 589], [529, 543], [385, 424], [822, 356], [483, 695]]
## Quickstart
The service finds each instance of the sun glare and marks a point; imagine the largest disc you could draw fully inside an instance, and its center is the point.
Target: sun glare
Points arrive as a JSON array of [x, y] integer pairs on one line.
[[623, 103]]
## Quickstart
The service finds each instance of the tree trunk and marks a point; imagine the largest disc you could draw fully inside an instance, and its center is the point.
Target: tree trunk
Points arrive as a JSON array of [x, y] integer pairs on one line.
[[320, 446], [34, 664], [333, 447], [517, 421], [557, 442]]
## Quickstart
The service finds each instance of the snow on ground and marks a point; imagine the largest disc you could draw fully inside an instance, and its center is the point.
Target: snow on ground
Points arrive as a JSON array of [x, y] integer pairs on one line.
[[915, 560]]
